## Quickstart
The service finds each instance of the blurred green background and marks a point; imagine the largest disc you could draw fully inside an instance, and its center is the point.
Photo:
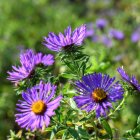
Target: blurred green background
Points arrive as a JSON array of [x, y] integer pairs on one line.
[[23, 24]]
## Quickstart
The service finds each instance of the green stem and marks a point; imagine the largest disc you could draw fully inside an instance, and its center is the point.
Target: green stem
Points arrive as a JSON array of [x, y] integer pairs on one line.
[[95, 128], [77, 71], [62, 125], [120, 105]]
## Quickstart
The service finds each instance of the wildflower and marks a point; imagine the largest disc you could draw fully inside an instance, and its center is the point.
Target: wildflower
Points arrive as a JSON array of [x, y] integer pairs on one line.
[[46, 60], [97, 92], [29, 60], [135, 37], [101, 23], [37, 106], [118, 57], [116, 34], [107, 41], [89, 31], [130, 80], [69, 39], [95, 38]]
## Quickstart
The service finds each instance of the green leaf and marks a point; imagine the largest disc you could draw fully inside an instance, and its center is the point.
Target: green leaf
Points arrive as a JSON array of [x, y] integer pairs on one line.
[[70, 66], [74, 133], [65, 134], [136, 130], [53, 133], [49, 129], [137, 138], [138, 120], [104, 66], [68, 114], [87, 117], [83, 133], [107, 127], [61, 132], [73, 104], [12, 133], [67, 75], [128, 133]]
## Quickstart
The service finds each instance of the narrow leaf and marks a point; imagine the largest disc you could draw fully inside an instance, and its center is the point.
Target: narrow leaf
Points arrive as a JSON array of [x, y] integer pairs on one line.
[[83, 133], [107, 127], [74, 133], [138, 120], [65, 134]]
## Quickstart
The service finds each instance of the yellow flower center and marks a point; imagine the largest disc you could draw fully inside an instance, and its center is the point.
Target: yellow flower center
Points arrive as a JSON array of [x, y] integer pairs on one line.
[[98, 94], [38, 107]]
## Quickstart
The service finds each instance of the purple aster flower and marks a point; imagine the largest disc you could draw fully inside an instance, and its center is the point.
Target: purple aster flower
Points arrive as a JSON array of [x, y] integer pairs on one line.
[[106, 41], [116, 34], [130, 80], [135, 37], [97, 92], [29, 60], [46, 60], [37, 106], [101, 23], [119, 57], [89, 30], [95, 38], [60, 41]]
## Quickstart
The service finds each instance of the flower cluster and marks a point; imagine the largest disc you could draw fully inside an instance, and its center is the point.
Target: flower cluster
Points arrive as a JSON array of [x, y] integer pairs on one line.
[[36, 108], [100, 33], [96, 92], [29, 60]]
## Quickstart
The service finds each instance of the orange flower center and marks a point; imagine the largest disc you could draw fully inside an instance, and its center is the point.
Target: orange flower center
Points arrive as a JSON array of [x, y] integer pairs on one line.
[[38, 107], [98, 94]]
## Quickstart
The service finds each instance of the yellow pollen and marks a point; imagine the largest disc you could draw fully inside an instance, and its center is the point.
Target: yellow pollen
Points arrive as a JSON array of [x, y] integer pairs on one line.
[[98, 94], [38, 107]]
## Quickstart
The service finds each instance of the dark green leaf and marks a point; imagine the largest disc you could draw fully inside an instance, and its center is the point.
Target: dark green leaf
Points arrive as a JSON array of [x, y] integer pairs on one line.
[[49, 129], [137, 138], [83, 133], [107, 127], [61, 132], [74, 133], [128, 133], [136, 130], [68, 76], [53, 133], [65, 134], [138, 120]]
